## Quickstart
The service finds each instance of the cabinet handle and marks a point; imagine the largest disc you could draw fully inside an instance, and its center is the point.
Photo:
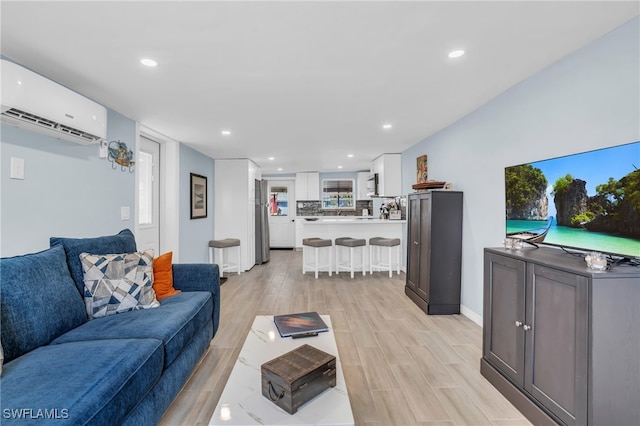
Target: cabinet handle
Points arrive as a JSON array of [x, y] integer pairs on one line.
[[416, 243], [526, 327], [518, 323]]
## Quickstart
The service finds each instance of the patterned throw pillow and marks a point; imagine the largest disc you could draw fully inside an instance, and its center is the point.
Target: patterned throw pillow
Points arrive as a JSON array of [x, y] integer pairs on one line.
[[115, 283]]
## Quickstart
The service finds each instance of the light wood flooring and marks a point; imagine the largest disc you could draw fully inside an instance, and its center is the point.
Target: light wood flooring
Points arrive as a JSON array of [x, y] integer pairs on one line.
[[402, 367]]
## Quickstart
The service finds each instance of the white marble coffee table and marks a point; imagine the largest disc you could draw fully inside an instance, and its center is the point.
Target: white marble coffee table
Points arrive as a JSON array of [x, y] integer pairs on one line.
[[242, 403]]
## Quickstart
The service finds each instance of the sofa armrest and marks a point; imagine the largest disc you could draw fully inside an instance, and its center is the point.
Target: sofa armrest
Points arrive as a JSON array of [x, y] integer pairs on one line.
[[200, 277]]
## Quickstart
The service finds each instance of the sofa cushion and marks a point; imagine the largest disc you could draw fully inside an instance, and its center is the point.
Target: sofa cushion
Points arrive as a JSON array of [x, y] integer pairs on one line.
[[123, 242], [38, 301], [163, 276], [116, 283], [175, 323], [94, 382]]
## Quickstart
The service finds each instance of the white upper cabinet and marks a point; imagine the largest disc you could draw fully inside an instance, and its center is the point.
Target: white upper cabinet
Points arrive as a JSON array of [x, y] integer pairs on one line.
[[308, 186], [387, 166], [362, 178]]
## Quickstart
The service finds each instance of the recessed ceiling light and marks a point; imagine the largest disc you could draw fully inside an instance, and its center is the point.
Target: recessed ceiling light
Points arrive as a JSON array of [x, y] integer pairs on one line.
[[339, 167], [147, 62], [279, 169], [456, 53], [226, 132], [350, 155], [386, 126], [272, 158]]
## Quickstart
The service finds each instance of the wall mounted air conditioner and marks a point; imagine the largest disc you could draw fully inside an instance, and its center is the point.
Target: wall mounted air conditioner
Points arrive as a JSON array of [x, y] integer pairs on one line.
[[34, 102]]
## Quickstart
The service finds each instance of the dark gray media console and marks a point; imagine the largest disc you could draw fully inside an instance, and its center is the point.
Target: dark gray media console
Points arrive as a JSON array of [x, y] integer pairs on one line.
[[562, 342]]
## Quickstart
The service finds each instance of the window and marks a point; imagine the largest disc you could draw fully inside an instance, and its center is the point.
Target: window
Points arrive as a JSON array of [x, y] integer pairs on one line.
[[337, 194], [279, 201]]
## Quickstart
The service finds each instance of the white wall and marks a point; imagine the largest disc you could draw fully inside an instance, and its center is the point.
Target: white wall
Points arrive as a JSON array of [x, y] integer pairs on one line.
[[67, 191], [588, 100]]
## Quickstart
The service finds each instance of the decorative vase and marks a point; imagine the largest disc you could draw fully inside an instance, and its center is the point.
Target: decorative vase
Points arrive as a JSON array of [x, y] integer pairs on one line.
[[422, 175]]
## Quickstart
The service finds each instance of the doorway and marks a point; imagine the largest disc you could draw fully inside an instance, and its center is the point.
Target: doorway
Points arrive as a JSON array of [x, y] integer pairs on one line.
[[148, 166], [282, 213]]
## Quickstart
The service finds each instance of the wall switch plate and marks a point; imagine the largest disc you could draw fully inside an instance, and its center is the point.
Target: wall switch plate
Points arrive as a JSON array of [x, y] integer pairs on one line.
[[17, 168], [103, 149], [124, 213]]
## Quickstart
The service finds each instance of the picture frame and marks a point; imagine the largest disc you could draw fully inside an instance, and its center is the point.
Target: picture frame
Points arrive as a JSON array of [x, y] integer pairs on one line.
[[198, 198]]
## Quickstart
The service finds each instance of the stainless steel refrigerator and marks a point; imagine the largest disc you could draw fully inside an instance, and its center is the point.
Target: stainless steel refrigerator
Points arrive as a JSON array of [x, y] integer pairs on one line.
[[262, 221]]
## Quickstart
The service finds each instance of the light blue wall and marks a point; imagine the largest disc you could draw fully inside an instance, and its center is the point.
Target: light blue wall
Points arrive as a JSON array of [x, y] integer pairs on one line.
[[67, 190], [195, 233], [588, 100]]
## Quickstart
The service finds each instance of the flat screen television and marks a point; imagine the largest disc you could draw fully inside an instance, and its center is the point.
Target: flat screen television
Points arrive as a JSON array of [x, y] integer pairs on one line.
[[588, 201]]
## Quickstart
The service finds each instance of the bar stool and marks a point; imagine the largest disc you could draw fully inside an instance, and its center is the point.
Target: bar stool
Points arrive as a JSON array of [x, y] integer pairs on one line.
[[351, 243], [316, 243], [380, 242], [221, 245]]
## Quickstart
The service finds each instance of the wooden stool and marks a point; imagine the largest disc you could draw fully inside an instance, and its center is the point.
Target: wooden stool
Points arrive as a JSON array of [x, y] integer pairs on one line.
[[383, 242], [316, 243], [221, 245], [351, 243]]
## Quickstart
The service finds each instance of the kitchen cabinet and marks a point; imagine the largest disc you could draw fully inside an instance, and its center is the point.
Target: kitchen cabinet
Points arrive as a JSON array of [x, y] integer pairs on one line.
[[434, 251], [235, 205], [388, 167], [308, 186], [362, 178], [561, 341]]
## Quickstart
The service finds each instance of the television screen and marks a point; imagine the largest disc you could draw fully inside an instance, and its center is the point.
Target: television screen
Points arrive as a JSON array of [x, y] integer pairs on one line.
[[588, 201]]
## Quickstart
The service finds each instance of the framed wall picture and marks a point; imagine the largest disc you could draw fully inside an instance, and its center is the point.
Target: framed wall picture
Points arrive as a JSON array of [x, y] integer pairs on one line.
[[198, 196]]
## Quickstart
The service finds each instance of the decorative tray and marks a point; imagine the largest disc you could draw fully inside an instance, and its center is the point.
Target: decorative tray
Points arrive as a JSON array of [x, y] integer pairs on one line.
[[429, 185]]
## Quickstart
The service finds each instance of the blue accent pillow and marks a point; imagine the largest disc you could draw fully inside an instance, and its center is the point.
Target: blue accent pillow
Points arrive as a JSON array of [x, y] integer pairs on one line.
[[123, 242], [38, 301]]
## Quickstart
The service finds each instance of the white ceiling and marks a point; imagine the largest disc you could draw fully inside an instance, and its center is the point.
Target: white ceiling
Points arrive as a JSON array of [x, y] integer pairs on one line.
[[305, 82]]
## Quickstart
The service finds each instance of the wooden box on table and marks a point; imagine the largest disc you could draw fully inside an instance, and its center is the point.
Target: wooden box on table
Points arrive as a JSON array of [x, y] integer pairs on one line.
[[294, 378]]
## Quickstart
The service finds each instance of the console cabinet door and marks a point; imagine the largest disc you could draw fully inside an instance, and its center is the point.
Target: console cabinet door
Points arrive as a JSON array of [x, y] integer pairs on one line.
[[413, 244], [557, 342], [504, 318], [424, 248], [419, 245]]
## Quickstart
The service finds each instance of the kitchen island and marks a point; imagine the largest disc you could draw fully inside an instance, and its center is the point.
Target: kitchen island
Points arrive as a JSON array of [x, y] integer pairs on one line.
[[354, 227]]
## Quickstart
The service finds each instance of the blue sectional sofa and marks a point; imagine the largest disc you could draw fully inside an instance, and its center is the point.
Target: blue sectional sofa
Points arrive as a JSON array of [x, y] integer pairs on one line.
[[62, 368]]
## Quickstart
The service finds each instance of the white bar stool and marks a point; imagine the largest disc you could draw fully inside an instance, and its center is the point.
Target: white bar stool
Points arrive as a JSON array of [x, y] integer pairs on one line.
[[316, 243], [221, 245], [351, 243], [380, 242]]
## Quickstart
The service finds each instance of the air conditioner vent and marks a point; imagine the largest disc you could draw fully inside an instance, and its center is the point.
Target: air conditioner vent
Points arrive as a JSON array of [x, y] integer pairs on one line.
[[43, 122], [34, 102]]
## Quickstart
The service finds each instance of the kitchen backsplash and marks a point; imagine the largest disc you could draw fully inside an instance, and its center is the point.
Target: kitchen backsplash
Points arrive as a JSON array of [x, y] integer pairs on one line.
[[313, 208]]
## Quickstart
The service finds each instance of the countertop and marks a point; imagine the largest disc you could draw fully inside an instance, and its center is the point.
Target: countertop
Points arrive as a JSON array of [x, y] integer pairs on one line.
[[352, 220]]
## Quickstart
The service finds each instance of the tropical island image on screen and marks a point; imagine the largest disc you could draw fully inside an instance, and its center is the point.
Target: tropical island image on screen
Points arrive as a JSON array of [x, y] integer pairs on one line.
[[588, 201]]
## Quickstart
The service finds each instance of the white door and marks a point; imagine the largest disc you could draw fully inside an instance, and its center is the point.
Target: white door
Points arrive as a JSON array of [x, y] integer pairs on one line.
[[148, 167], [282, 213]]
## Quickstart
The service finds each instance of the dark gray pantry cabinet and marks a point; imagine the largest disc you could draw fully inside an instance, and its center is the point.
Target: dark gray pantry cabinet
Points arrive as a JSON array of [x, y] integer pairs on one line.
[[434, 251], [562, 342]]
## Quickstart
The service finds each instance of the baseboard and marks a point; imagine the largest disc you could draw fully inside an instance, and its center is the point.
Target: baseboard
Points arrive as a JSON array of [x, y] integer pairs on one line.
[[526, 406], [471, 315]]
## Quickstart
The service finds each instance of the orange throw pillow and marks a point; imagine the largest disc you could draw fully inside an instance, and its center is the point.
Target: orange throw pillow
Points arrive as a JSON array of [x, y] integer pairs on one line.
[[163, 276]]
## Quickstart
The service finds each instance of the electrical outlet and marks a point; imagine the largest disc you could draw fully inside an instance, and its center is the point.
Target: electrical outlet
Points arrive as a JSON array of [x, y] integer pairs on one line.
[[124, 213]]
